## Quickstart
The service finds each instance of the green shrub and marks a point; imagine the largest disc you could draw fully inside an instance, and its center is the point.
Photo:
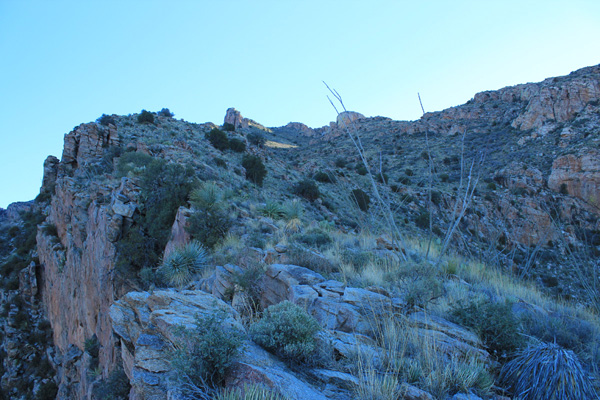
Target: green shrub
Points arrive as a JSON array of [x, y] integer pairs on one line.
[[165, 112], [219, 162], [255, 169], [340, 162], [547, 371], [315, 238], [491, 186], [361, 170], [324, 177], [145, 117], [383, 178], [287, 330], [256, 139], [218, 139], [495, 324], [237, 145], [183, 263], [564, 189], [436, 197], [361, 199], [164, 188], [308, 189], [203, 354], [422, 219], [444, 177], [409, 172], [105, 120]]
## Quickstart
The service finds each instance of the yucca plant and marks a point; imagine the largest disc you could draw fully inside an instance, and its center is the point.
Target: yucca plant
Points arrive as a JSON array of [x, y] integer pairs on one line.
[[547, 371], [206, 197], [292, 213], [180, 266], [272, 210], [249, 392]]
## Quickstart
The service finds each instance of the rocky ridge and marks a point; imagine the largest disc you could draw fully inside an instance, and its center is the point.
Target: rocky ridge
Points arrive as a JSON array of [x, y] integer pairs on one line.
[[547, 200]]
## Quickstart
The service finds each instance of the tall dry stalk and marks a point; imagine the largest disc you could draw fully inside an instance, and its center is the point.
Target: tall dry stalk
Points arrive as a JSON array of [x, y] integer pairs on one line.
[[352, 132]]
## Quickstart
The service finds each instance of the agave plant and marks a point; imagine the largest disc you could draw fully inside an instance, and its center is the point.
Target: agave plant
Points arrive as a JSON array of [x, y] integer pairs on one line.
[[180, 266], [206, 197], [293, 212], [547, 371]]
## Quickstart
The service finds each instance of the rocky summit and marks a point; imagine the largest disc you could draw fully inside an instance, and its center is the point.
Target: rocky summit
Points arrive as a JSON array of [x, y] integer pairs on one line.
[[452, 257]]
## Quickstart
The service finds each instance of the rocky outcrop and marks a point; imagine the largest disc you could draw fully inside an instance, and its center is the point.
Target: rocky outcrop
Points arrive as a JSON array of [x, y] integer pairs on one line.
[[557, 99], [346, 118], [578, 175], [518, 175], [87, 143], [50, 172], [234, 118], [146, 326]]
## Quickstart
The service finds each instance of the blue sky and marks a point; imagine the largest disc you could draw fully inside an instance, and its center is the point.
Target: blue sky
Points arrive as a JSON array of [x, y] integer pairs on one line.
[[64, 63]]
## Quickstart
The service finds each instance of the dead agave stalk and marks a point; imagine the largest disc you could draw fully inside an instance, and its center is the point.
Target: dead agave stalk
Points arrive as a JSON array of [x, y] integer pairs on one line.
[[352, 132]]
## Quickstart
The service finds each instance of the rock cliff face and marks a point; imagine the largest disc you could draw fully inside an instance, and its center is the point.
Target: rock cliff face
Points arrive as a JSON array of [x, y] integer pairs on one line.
[[78, 263]]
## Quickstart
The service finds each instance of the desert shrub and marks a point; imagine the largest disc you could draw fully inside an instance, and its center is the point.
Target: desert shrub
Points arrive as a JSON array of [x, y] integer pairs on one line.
[[444, 177], [315, 238], [436, 197], [383, 178], [219, 162], [308, 189], [165, 112], [256, 139], [361, 169], [567, 331], [491, 186], [324, 177], [133, 163], [116, 387], [106, 120], [237, 145], [287, 330], [218, 139], [249, 392], [494, 323], [422, 219], [361, 199], [255, 169], [409, 172], [547, 371], [183, 263], [145, 117], [203, 354], [310, 260], [228, 127], [340, 162]]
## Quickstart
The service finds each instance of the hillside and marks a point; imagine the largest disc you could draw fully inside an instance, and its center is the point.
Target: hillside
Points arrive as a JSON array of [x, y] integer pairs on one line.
[[459, 245]]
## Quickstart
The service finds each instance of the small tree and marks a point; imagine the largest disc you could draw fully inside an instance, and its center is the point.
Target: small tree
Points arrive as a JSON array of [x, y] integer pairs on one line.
[[237, 145], [218, 139], [256, 139], [165, 112], [255, 169], [146, 117]]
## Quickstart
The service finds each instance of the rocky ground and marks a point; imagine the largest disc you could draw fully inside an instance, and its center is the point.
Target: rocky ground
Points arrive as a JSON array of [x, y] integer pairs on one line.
[[496, 204]]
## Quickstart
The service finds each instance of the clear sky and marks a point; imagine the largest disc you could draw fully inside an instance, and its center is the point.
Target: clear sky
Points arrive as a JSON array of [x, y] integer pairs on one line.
[[64, 63]]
